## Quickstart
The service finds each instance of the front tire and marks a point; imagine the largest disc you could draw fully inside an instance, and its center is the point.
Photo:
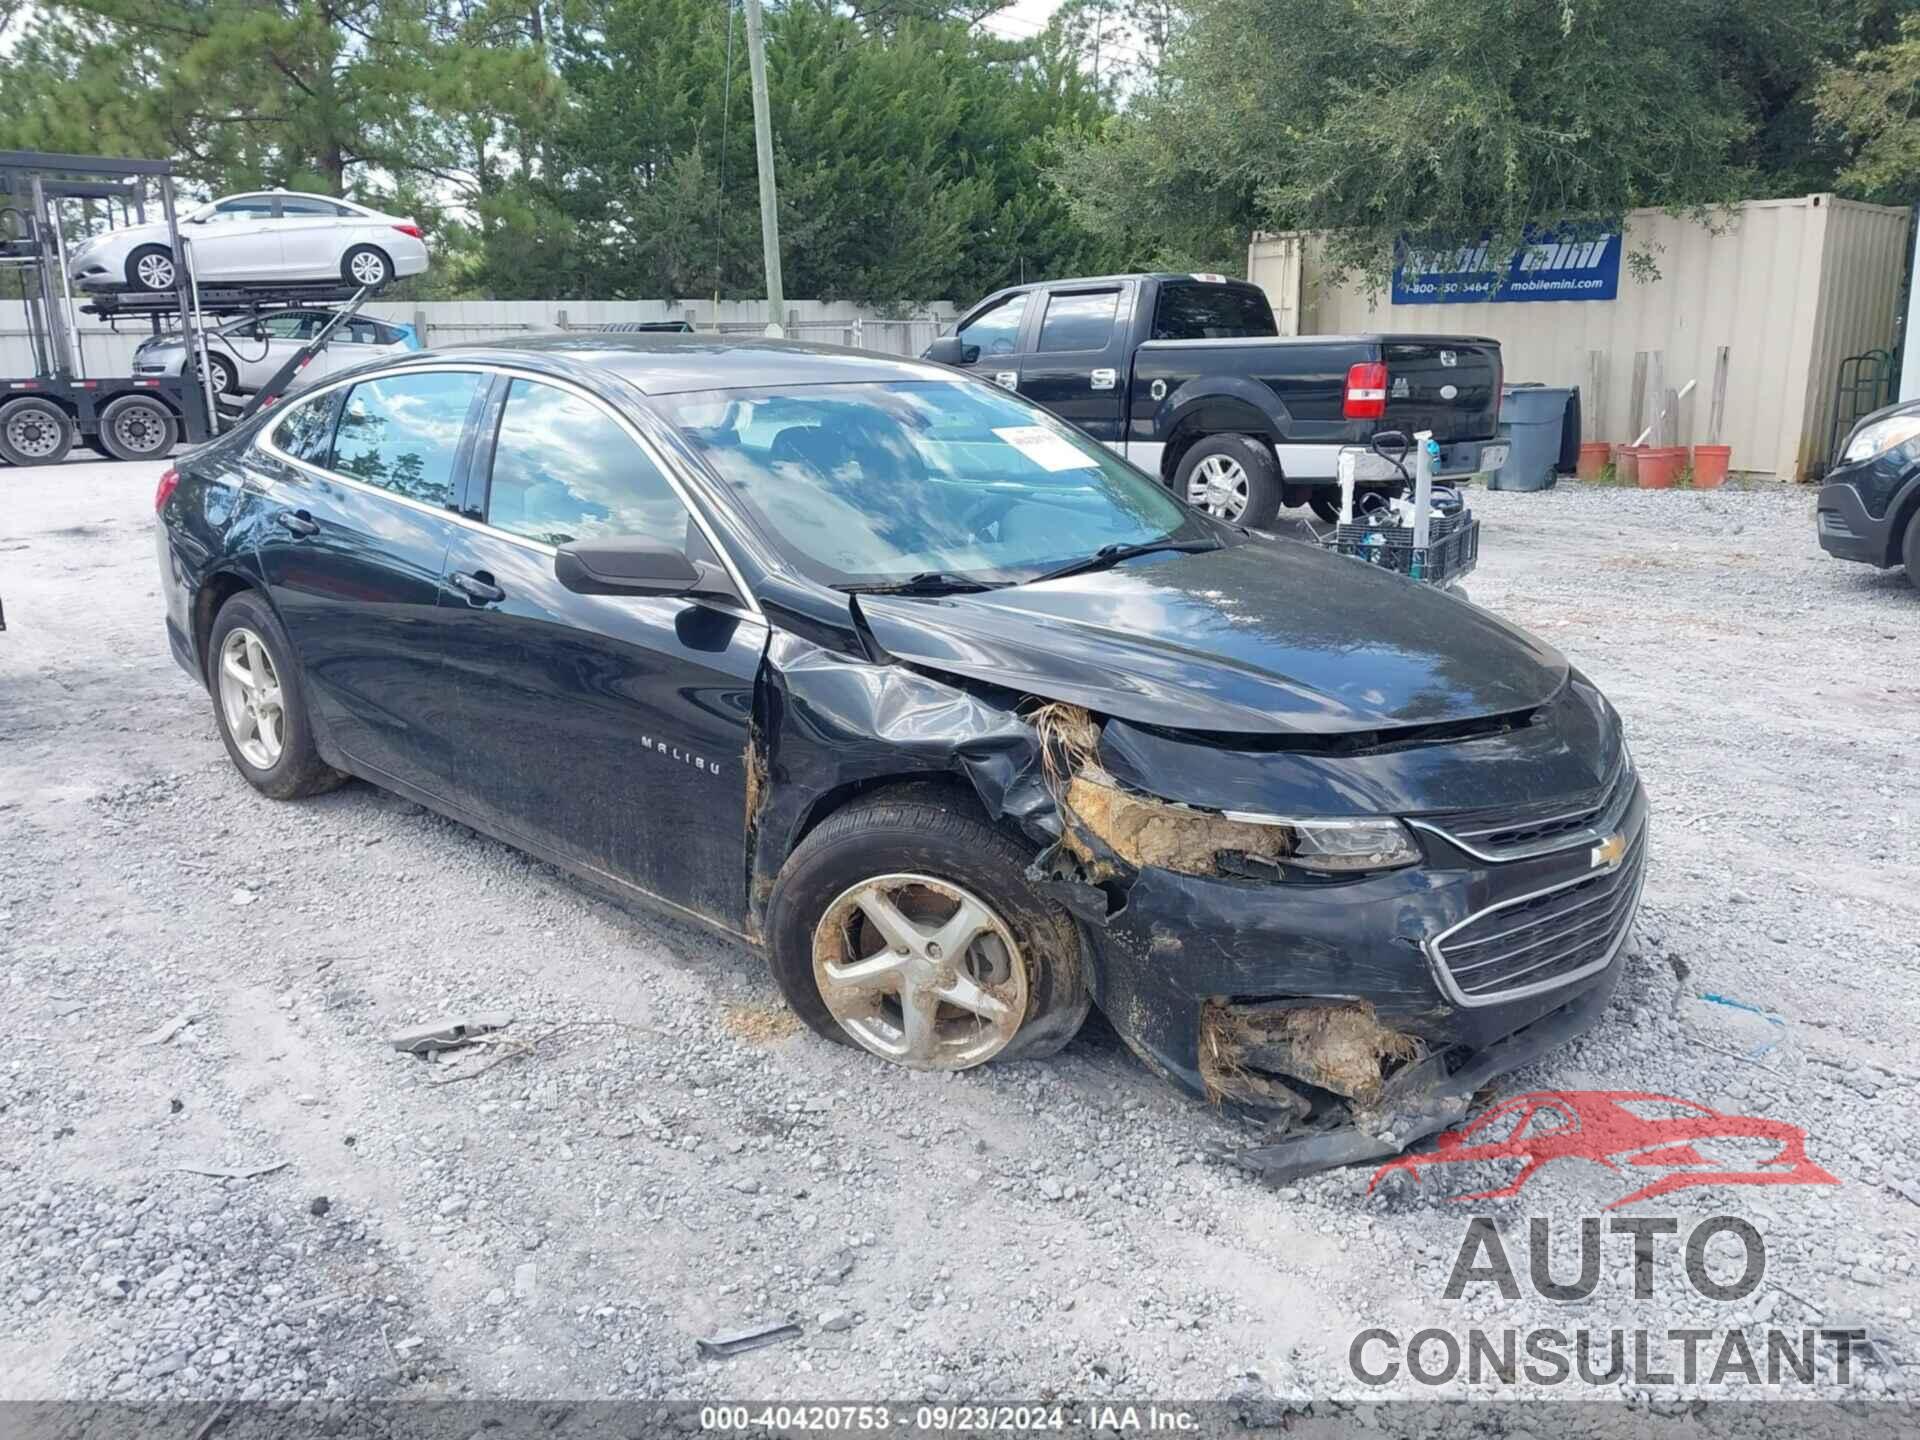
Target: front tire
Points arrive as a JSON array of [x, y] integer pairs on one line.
[[1233, 478], [1910, 551], [35, 432], [151, 268], [226, 379], [908, 929], [137, 427], [260, 703], [366, 265]]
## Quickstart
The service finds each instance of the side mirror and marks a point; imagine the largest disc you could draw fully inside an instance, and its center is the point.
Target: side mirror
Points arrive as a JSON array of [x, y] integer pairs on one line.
[[949, 350], [626, 565]]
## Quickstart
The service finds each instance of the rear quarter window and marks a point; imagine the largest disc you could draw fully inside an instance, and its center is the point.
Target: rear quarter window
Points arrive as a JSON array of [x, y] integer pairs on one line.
[[305, 431]]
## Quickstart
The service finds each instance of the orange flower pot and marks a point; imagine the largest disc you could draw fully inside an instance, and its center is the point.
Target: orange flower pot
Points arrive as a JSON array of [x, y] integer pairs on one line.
[[1626, 464], [1660, 466], [1593, 459], [1710, 466]]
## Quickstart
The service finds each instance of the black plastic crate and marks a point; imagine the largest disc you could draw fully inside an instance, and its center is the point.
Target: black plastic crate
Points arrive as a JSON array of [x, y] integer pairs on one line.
[[1453, 547]]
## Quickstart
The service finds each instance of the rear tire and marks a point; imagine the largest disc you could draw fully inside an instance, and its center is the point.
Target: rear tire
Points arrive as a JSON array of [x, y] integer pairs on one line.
[[816, 915], [151, 268], [366, 265], [138, 427], [35, 432], [1233, 478], [270, 740]]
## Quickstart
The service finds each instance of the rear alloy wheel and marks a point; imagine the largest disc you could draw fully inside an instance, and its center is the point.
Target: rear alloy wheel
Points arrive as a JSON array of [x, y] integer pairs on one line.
[[906, 927], [137, 427], [259, 702], [35, 432], [151, 268], [1233, 478], [366, 265]]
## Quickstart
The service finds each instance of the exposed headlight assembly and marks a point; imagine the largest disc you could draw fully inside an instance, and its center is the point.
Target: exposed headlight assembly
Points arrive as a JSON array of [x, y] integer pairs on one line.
[[1340, 847], [1880, 437]]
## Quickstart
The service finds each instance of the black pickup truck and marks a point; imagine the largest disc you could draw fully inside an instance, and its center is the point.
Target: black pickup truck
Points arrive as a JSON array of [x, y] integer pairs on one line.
[[1189, 378]]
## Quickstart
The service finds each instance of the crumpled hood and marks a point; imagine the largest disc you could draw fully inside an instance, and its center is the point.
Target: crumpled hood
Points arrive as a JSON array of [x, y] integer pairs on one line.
[[1271, 637]]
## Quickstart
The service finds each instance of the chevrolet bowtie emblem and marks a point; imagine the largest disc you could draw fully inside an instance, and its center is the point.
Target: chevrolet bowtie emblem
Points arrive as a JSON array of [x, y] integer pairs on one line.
[[1608, 853]]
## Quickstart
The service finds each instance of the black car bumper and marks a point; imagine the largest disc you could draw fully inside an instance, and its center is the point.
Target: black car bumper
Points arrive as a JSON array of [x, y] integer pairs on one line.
[[1187, 954], [1848, 531]]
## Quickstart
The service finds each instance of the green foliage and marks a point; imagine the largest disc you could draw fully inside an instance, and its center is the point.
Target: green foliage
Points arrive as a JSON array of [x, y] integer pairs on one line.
[[1446, 119], [1873, 104]]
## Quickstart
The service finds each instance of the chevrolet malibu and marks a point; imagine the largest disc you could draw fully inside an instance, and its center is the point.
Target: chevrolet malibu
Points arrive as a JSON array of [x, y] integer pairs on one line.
[[963, 722]]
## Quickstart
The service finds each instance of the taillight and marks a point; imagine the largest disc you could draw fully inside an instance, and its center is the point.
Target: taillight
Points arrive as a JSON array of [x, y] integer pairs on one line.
[[410, 229], [164, 490], [1366, 391]]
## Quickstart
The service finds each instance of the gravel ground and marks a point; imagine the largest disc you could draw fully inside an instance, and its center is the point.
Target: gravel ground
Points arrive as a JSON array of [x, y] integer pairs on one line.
[[675, 1159]]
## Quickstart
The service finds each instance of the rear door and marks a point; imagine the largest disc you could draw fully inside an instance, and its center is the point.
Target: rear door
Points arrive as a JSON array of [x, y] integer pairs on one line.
[[353, 546], [608, 730], [1445, 384], [311, 229], [1074, 367]]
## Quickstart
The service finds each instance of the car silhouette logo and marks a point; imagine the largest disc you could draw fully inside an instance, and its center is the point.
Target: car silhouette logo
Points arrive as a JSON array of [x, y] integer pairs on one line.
[[1608, 853], [1623, 1130]]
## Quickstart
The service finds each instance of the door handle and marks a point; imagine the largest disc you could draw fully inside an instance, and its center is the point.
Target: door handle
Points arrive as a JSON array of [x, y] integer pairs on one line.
[[478, 587], [1104, 379], [1007, 379], [297, 522]]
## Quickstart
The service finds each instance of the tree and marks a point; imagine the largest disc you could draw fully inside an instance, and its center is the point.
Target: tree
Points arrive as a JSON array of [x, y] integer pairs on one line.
[[1873, 106], [1378, 121]]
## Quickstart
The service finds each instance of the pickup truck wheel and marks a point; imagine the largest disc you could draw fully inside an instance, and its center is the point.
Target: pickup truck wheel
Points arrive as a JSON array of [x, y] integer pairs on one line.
[[908, 929], [1325, 505], [1232, 477]]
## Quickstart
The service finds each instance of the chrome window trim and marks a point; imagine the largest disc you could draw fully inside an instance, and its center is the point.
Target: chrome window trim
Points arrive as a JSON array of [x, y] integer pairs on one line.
[[1433, 946], [661, 462]]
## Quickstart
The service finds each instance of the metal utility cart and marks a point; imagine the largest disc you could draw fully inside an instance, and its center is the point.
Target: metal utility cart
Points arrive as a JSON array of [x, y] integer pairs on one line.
[[124, 417], [1434, 538]]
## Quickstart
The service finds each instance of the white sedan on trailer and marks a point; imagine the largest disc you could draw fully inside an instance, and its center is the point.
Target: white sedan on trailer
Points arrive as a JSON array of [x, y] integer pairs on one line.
[[267, 236]]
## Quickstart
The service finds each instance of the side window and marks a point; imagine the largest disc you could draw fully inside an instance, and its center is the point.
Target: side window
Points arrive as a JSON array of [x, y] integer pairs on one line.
[[357, 332], [401, 433], [1079, 322], [993, 332], [304, 432], [306, 207], [243, 207], [563, 470], [1201, 311], [292, 327]]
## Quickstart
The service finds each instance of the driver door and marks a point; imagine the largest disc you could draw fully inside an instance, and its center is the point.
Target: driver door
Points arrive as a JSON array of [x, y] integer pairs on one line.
[[237, 241], [990, 341]]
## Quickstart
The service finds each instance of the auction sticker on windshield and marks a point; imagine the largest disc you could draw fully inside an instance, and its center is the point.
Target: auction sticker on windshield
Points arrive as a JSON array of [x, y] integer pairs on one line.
[[1046, 449]]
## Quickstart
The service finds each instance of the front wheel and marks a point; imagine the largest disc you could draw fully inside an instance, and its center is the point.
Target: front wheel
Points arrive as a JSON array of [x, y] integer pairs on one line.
[[908, 929], [260, 703], [1233, 478], [1911, 550], [151, 268]]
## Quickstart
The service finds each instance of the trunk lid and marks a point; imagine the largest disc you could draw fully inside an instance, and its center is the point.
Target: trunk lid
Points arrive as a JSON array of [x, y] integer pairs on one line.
[[1447, 384]]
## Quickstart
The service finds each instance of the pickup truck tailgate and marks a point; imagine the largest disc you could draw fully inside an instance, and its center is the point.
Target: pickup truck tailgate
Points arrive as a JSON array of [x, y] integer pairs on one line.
[[1444, 384]]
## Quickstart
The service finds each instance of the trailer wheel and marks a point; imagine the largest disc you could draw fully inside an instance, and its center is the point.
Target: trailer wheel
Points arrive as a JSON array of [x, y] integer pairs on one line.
[[137, 427], [35, 432], [366, 265], [151, 268]]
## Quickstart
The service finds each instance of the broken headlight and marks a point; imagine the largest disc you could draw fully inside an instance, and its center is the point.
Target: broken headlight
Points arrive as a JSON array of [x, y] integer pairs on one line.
[[1340, 847]]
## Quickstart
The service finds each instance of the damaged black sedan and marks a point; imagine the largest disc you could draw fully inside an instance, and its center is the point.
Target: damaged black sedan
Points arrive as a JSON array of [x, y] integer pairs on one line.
[[965, 721]]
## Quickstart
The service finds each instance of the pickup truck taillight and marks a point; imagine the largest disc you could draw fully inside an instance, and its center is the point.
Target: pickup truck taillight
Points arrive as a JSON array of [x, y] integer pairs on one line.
[[164, 490], [1366, 391]]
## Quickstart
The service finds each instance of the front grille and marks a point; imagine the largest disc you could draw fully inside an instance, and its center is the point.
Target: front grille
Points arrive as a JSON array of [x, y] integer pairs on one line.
[[1538, 827], [1551, 938]]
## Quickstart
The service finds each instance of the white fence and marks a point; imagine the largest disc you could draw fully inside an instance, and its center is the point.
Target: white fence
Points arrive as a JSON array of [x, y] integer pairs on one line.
[[108, 350]]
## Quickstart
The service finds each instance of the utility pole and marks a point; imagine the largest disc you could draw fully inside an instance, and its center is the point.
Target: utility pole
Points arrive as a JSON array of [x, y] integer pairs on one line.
[[763, 148]]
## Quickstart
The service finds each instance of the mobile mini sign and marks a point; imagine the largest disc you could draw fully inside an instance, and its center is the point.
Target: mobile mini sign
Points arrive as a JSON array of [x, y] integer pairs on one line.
[[1552, 267]]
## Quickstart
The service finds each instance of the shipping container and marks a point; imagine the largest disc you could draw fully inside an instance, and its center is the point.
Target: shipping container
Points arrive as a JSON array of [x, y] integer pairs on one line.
[[1791, 288]]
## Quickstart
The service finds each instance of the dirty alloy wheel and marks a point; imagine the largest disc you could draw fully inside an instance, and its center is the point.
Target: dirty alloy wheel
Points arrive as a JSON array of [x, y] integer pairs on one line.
[[1233, 478], [35, 432], [259, 702], [907, 928], [137, 427]]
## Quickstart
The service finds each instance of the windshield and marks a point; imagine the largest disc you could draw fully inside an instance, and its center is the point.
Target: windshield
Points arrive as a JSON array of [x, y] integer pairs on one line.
[[876, 483]]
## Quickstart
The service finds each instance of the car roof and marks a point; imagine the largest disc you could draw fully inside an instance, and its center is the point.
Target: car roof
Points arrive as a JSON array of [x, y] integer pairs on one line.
[[666, 364]]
